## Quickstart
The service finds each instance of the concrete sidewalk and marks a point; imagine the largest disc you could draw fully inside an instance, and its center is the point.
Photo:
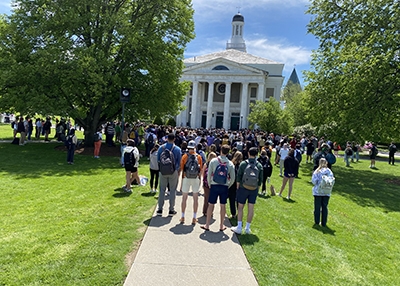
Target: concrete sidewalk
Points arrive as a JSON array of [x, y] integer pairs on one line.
[[183, 254]]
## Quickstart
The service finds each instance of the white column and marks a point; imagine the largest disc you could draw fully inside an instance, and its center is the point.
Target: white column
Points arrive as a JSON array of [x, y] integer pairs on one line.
[[244, 102], [195, 108], [210, 102], [261, 92], [227, 102]]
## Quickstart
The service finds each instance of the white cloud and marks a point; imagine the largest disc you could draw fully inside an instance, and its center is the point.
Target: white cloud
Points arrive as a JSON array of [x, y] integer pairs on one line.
[[281, 52]]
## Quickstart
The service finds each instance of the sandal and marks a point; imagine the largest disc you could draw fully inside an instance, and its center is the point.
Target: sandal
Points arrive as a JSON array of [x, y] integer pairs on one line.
[[204, 227]]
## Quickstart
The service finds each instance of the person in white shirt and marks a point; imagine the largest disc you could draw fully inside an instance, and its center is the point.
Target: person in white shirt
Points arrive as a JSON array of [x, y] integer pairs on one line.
[[131, 169]]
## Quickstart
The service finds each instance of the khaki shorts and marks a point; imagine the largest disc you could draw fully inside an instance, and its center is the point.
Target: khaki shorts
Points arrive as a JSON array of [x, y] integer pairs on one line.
[[194, 184]]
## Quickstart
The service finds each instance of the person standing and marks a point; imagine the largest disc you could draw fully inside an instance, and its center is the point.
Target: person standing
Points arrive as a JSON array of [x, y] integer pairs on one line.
[[131, 164], [220, 176], [22, 131], [124, 139], [249, 179], [39, 126], [283, 152], [322, 191], [291, 170], [154, 170], [169, 159], [97, 143], [47, 129], [392, 151], [236, 160], [72, 141], [373, 152], [267, 170], [206, 187], [191, 164]]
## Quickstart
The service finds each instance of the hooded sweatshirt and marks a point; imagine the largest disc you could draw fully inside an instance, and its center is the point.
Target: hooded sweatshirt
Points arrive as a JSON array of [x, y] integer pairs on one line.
[[317, 178]]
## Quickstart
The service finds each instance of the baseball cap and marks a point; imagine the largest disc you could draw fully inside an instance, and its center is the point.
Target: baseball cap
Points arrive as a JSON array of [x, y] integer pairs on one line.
[[191, 144]]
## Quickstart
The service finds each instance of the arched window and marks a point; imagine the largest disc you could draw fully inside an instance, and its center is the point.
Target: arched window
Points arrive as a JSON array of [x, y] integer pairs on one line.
[[220, 68]]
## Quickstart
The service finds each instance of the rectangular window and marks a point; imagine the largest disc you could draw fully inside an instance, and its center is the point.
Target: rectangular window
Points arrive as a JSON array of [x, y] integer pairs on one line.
[[235, 93], [269, 93], [253, 92]]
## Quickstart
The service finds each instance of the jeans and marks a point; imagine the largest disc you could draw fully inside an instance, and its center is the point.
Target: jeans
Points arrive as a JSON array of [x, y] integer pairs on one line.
[[70, 153], [321, 205]]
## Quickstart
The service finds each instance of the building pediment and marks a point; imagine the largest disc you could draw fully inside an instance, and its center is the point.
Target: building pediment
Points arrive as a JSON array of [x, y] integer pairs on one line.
[[221, 66]]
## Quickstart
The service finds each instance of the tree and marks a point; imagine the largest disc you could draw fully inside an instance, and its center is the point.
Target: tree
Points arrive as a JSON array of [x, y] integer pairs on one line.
[[270, 117], [355, 76], [295, 103], [72, 58]]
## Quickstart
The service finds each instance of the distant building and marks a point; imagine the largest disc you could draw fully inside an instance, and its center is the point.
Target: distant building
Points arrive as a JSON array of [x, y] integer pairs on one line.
[[294, 79], [225, 83]]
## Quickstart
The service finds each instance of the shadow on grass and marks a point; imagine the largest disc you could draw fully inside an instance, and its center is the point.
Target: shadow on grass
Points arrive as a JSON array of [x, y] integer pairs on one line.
[[368, 188], [324, 229], [248, 239]]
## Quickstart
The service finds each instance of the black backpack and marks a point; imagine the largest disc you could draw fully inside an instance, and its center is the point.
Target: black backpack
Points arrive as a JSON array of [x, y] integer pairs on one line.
[[192, 168], [129, 158], [167, 161], [68, 143], [96, 137], [150, 139]]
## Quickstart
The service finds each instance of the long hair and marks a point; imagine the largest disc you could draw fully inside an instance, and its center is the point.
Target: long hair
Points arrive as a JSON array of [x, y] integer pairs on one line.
[[211, 156], [237, 158], [322, 164]]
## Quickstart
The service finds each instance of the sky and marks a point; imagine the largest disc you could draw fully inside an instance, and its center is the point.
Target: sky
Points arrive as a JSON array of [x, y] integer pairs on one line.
[[274, 29]]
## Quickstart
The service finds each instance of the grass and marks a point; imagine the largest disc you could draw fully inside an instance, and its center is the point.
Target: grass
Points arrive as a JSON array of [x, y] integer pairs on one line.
[[67, 225], [70, 225], [360, 246]]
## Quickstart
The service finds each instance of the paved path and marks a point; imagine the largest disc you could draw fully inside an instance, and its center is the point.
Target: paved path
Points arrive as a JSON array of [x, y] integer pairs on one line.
[[182, 254]]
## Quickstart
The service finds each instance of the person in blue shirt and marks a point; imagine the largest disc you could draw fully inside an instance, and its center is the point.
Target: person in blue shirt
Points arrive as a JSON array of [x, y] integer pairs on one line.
[[170, 180]]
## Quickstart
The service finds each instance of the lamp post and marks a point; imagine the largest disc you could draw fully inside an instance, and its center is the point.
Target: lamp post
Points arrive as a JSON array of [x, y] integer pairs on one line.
[[124, 97], [190, 119], [212, 121], [241, 121]]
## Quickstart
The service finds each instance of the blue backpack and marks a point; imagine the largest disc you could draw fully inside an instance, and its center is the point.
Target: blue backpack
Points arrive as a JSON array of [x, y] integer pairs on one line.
[[220, 175]]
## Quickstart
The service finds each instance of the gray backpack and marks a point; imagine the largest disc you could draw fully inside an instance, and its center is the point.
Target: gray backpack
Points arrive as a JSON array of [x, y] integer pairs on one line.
[[250, 176], [192, 168]]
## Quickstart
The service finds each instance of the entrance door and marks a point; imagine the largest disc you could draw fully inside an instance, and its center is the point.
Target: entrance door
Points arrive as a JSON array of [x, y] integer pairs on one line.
[[204, 121], [235, 121], [219, 121]]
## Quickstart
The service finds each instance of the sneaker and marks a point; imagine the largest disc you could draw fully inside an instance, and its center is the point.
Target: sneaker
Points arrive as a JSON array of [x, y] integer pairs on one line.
[[247, 231], [288, 198], [124, 187], [171, 213], [128, 191], [194, 220], [236, 230], [182, 220], [279, 195], [159, 212]]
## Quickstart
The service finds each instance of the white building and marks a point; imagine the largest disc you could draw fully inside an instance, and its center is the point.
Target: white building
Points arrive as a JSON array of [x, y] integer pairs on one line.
[[225, 83]]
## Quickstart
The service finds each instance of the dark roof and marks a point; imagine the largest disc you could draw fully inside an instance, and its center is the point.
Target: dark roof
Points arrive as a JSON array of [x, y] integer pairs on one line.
[[294, 78], [238, 18]]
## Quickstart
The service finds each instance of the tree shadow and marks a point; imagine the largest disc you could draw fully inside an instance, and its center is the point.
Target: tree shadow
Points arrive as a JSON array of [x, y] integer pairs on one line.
[[368, 188]]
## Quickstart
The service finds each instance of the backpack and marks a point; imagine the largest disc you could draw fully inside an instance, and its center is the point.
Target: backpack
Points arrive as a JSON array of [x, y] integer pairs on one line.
[[150, 139], [250, 176], [167, 161], [192, 168], [129, 158], [326, 185], [220, 175], [349, 152], [132, 134], [298, 155], [68, 142], [330, 158], [375, 151], [96, 137]]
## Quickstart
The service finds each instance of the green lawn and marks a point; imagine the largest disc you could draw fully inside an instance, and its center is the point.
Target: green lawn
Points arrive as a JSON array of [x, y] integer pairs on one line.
[[360, 246], [69, 224]]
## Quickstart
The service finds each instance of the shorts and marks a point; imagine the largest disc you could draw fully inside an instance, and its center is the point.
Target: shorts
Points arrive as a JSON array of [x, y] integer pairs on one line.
[[130, 168], [190, 182], [244, 194], [287, 175], [220, 191]]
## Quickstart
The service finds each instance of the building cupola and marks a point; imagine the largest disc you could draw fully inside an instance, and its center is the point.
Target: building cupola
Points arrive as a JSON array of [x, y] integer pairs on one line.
[[237, 42]]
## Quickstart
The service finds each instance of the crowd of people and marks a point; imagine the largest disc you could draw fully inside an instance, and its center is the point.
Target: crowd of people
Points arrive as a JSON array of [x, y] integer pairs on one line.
[[234, 166]]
